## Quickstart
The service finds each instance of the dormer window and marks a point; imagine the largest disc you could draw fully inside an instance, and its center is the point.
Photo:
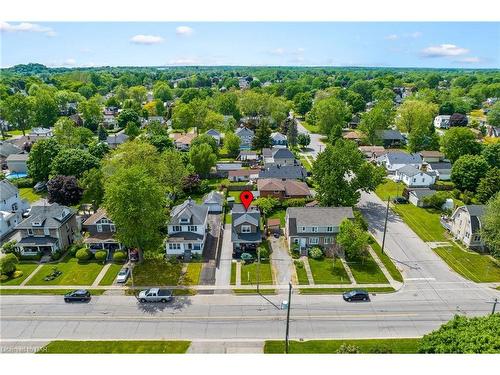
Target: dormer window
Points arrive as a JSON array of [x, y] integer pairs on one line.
[[184, 220], [37, 223]]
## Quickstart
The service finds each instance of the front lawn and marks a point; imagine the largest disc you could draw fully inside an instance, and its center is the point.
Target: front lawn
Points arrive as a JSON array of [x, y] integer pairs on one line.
[[389, 189], [253, 291], [115, 347], [396, 346], [10, 292], [423, 221], [388, 263], [233, 273], [249, 273], [152, 272], [31, 195], [301, 272], [309, 127], [471, 265], [367, 271], [326, 271], [192, 276], [111, 274], [73, 273], [26, 268]]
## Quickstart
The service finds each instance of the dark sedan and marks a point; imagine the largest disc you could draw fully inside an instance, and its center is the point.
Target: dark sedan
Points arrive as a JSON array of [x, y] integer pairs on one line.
[[80, 295], [356, 295]]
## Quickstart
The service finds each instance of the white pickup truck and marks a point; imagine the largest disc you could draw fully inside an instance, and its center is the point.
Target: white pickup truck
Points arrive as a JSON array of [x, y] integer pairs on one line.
[[155, 295]]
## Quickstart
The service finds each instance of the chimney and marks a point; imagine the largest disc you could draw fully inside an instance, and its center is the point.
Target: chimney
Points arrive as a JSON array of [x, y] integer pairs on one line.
[[424, 166]]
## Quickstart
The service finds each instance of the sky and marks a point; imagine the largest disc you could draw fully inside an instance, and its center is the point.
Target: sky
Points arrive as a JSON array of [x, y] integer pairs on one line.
[[397, 44]]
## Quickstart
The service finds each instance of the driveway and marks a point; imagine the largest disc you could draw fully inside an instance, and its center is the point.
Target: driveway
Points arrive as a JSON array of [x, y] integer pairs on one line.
[[281, 261], [207, 275], [316, 145], [223, 270]]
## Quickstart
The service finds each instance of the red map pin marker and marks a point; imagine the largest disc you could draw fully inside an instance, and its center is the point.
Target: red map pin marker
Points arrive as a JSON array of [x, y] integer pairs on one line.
[[246, 198]]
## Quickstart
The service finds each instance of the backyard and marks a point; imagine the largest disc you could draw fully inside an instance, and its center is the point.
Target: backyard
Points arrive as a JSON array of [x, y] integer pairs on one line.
[[31, 195]]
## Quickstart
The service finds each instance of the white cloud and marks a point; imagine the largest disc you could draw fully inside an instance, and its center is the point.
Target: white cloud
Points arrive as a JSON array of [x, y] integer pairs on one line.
[[26, 27], [469, 60], [184, 31], [69, 62], [184, 61], [444, 50], [146, 39], [392, 37]]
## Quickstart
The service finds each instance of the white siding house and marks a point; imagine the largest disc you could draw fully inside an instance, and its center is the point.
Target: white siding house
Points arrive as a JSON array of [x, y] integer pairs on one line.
[[413, 177]]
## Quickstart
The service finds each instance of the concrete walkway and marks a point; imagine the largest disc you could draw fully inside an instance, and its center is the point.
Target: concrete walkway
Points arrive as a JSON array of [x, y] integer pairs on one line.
[[101, 275], [238, 274], [348, 270], [309, 274], [282, 262], [394, 283], [25, 281], [223, 272]]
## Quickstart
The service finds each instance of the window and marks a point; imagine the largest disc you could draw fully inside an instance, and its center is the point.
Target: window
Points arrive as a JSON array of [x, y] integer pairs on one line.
[[314, 229], [99, 228], [197, 246], [104, 221], [314, 240], [112, 228], [14, 207], [296, 241], [246, 229], [174, 246], [192, 228], [328, 240], [184, 221], [46, 231], [329, 229], [30, 232], [176, 228], [303, 229]]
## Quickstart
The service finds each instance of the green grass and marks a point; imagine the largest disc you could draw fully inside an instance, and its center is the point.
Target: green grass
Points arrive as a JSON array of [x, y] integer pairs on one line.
[[192, 276], [279, 214], [253, 291], [471, 265], [305, 162], [386, 289], [249, 273], [367, 271], [233, 273], [397, 346], [31, 195], [388, 263], [73, 273], [301, 273], [423, 221], [325, 271], [390, 189], [236, 195], [94, 292], [116, 347], [311, 128], [157, 272], [228, 219], [26, 268], [18, 132], [111, 274]]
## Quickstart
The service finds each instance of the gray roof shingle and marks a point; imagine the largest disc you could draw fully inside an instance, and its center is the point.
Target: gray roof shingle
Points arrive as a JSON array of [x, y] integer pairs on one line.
[[319, 216], [195, 213], [49, 216]]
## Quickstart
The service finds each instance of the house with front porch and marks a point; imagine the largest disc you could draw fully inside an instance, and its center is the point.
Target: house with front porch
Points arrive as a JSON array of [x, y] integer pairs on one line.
[[49, 228], [100, 233], [187, 229], [314, 226], [245, 228]]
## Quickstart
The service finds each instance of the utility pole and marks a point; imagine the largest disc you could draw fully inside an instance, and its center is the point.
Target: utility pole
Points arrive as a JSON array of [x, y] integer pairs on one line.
[[288, 316], [494, 303], [258, 269], [385, 224]]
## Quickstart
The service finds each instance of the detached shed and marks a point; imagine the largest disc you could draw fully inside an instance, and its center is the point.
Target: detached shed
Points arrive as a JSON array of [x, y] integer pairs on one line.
[[214, 201], [273, 225]]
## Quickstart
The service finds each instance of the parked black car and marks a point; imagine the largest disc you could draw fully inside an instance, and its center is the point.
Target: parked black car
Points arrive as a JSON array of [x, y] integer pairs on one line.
[[356, 295], [80, 295], [400, 200]]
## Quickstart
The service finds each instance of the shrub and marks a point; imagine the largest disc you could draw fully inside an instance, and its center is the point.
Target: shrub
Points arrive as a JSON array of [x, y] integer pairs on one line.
[[56, 255], [299, 264], [316, 253], [17, 274], [83, 254], [296, 202], [8, 264], [347, 349], [381, 349], [9, 247], [264, 253], [100, 255], [72, 249], [31, 257], [23, 182], [436, 200], [360, 220], [119, 256]]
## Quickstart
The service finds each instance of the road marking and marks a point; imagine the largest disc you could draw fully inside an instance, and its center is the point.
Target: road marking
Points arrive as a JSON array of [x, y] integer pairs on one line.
[[179, 318]]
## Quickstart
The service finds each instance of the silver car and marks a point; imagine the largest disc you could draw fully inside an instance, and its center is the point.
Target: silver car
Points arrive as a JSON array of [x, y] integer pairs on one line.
[[123, 275]]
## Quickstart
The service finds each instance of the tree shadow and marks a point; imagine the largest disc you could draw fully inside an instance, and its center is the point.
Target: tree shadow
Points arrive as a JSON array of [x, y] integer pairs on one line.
[[176, 304]]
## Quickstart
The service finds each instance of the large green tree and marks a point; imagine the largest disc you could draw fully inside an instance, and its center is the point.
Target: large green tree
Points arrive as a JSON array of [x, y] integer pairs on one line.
[[262, 138], [174, 172], [494, 115], [135, 201], [467, 171], [45, 107], [380, 117], [341, 173], [457, 142], [353, 239], [73, 162], [183, 117], [491, 153], [162, 91], [413, 114], [490, 225], [92, 183], [40, 158], [91, 111], [330, 114], [489, 185], [18, 110], [464, 335], [203, 158], [232, 144]]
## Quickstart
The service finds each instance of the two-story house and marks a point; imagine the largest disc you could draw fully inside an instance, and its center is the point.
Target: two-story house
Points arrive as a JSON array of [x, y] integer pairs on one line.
[[246, 137], [282, 189], [314, 226], [100, 233], [278, 156], [465, 225], [48, 229], [392, 161], [11, 207], [187, 229], [245, 228]]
